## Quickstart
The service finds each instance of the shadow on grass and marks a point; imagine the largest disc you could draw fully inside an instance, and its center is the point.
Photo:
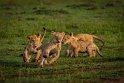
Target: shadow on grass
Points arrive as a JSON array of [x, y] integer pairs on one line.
[[50, 11], [111, 59], [17, 64], [87, 6]]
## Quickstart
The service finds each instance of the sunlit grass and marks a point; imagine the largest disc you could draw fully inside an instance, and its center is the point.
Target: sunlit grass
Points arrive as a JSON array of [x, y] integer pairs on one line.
[[103, 18]]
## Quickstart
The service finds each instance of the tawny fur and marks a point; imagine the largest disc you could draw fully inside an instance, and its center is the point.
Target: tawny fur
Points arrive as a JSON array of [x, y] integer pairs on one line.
[[89, 38], [77, 46], [52, 48], [34, 41], [82, 37]]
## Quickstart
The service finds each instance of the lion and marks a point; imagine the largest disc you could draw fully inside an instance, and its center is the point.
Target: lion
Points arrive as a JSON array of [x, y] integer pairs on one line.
[[83, 37], [79, 46], [34, 41], [51, 48], [89, 38]]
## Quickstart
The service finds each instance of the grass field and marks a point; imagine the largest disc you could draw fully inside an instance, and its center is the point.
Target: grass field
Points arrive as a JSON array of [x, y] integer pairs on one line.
[[104, 18]]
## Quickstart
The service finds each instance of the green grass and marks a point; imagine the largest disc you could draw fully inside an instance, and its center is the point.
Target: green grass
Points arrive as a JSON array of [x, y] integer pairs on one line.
[[104, 18]]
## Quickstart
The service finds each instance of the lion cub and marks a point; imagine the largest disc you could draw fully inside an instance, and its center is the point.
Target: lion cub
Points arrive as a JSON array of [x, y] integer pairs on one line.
[[52, 48], [82, 37], [34, 41], [76, 46]]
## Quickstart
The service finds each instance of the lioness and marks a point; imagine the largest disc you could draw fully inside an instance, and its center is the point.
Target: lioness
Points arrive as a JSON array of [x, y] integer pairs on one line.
[[83, 37], [52, 48], [77, 46], [34, 41]]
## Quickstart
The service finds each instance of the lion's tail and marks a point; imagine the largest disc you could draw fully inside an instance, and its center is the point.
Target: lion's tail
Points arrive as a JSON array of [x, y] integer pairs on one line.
[[99, 40], [98, 51], [44, 33]]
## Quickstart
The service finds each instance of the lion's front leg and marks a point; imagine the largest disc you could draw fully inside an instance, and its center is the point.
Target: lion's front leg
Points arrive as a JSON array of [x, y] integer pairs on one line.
[[55, 58], [76, 52], [26, 56], [71, 54], [42, 61], [37, 56], [67, 52]]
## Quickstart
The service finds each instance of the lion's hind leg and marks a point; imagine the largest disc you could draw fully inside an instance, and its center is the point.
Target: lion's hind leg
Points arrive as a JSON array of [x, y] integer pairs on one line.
[[94, 53], [56, 56]]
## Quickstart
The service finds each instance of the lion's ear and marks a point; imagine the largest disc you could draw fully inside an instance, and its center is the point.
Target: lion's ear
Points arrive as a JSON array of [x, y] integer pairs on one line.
[[63, 32], [71, 34], [52, 33], [29, 37], [39, 35]]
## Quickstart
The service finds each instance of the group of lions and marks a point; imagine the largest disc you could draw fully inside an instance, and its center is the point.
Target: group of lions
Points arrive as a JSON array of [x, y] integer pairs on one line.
[[80, 43]]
